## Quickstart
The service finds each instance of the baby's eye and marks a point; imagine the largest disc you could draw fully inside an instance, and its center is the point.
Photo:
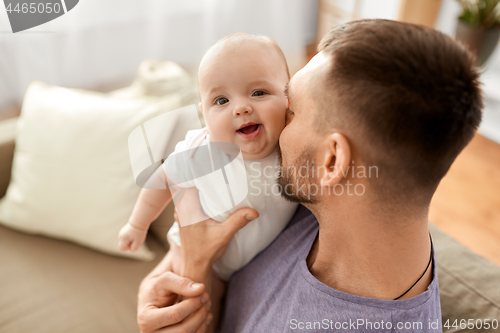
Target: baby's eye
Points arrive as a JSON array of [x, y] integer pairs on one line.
[[258, 93], [221, 101]]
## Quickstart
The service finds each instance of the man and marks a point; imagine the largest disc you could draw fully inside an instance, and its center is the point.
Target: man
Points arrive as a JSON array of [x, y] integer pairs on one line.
[[396, 99]]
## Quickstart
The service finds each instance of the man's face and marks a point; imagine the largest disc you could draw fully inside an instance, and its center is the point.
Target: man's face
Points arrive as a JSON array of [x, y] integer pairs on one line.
[[299, 139]]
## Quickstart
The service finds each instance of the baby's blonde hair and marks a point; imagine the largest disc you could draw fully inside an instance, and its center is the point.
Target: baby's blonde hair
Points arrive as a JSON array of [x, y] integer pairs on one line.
[[228, 40]]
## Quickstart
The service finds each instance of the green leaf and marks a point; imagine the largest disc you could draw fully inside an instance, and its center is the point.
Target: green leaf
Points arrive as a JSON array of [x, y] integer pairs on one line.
[[480, 13]]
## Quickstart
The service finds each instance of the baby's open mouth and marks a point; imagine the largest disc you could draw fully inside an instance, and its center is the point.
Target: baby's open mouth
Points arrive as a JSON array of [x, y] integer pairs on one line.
[[249, 131]]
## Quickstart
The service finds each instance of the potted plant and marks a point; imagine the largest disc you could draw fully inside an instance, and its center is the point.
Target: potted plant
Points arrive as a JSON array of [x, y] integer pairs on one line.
[[479, 27]]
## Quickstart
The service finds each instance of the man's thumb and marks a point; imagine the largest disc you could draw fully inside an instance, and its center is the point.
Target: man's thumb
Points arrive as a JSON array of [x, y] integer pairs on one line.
[[239, 219]]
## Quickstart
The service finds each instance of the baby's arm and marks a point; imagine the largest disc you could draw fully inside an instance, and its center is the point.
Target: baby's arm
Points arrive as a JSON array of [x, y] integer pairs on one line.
[[148, 207]]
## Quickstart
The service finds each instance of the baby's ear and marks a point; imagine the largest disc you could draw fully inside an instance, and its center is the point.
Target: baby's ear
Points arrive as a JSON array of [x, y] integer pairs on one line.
[[201, 107]]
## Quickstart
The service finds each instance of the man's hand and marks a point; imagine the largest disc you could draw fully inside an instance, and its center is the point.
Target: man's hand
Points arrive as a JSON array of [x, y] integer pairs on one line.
[[157, 295], [205, 242]]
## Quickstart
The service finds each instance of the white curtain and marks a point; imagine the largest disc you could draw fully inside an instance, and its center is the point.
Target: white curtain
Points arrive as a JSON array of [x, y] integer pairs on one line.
[[102, 42]]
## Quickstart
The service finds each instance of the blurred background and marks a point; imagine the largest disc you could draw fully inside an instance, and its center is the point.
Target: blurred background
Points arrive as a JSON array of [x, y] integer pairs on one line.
[[100, 43]]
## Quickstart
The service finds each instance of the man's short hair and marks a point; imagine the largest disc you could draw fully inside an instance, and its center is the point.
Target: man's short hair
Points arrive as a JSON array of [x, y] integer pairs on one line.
[[410, 92]]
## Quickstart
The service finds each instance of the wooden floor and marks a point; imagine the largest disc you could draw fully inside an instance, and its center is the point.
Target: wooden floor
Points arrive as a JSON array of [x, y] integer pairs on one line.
[[467, 202]]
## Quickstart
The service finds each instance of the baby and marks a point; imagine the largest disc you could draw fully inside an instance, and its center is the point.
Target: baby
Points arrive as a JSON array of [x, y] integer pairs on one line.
[[241, 84]]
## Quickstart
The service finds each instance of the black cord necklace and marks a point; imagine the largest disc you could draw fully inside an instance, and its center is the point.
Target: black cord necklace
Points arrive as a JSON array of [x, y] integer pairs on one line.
[[420, 278]]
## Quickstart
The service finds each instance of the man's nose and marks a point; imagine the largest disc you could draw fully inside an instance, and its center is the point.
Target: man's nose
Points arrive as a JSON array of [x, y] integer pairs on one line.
[[242, 109]]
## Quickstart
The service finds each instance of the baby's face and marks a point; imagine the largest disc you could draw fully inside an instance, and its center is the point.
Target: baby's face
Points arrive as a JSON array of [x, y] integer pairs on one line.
[[242, 97]]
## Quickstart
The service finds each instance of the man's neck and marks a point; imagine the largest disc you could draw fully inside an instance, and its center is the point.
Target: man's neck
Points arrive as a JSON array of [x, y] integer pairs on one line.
[[362, 249]]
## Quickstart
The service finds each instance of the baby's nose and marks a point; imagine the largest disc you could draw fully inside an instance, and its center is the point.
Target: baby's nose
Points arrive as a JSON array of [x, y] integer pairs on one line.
[[242, 109]]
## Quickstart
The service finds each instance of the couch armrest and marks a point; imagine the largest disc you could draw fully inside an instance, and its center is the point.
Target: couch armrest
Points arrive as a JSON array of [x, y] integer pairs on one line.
[[7, 141]]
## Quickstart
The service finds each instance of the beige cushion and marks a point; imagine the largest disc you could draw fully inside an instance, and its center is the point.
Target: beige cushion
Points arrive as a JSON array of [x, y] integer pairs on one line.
[[53, 286], [7, 134], [71, 176], [469, 285]]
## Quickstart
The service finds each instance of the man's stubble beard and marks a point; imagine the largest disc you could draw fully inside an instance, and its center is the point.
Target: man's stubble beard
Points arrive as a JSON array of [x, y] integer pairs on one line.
[[289, 181]]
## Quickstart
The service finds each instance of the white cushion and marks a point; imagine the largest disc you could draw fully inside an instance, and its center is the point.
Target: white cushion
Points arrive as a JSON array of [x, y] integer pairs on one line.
[[71, 175]]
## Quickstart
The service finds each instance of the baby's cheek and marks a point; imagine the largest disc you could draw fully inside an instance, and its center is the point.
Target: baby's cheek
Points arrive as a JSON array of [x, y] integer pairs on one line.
[[214, 129]]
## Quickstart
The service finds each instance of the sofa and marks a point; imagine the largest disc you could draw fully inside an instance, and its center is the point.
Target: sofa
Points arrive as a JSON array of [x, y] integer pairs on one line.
[[50, 285]]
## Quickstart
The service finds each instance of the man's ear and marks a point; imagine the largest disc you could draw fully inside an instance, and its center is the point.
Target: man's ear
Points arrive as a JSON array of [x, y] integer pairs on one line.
[[335, 159]]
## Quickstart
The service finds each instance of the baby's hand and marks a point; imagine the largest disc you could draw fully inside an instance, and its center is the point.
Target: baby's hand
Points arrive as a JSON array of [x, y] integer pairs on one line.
[[131, 238]]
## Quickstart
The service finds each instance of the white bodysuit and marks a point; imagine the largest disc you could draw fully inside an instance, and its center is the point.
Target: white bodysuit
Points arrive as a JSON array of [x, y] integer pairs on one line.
[[263, 195]]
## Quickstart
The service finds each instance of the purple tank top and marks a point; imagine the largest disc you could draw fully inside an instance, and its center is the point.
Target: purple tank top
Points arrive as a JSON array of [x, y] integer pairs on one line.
[[276, 292]]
